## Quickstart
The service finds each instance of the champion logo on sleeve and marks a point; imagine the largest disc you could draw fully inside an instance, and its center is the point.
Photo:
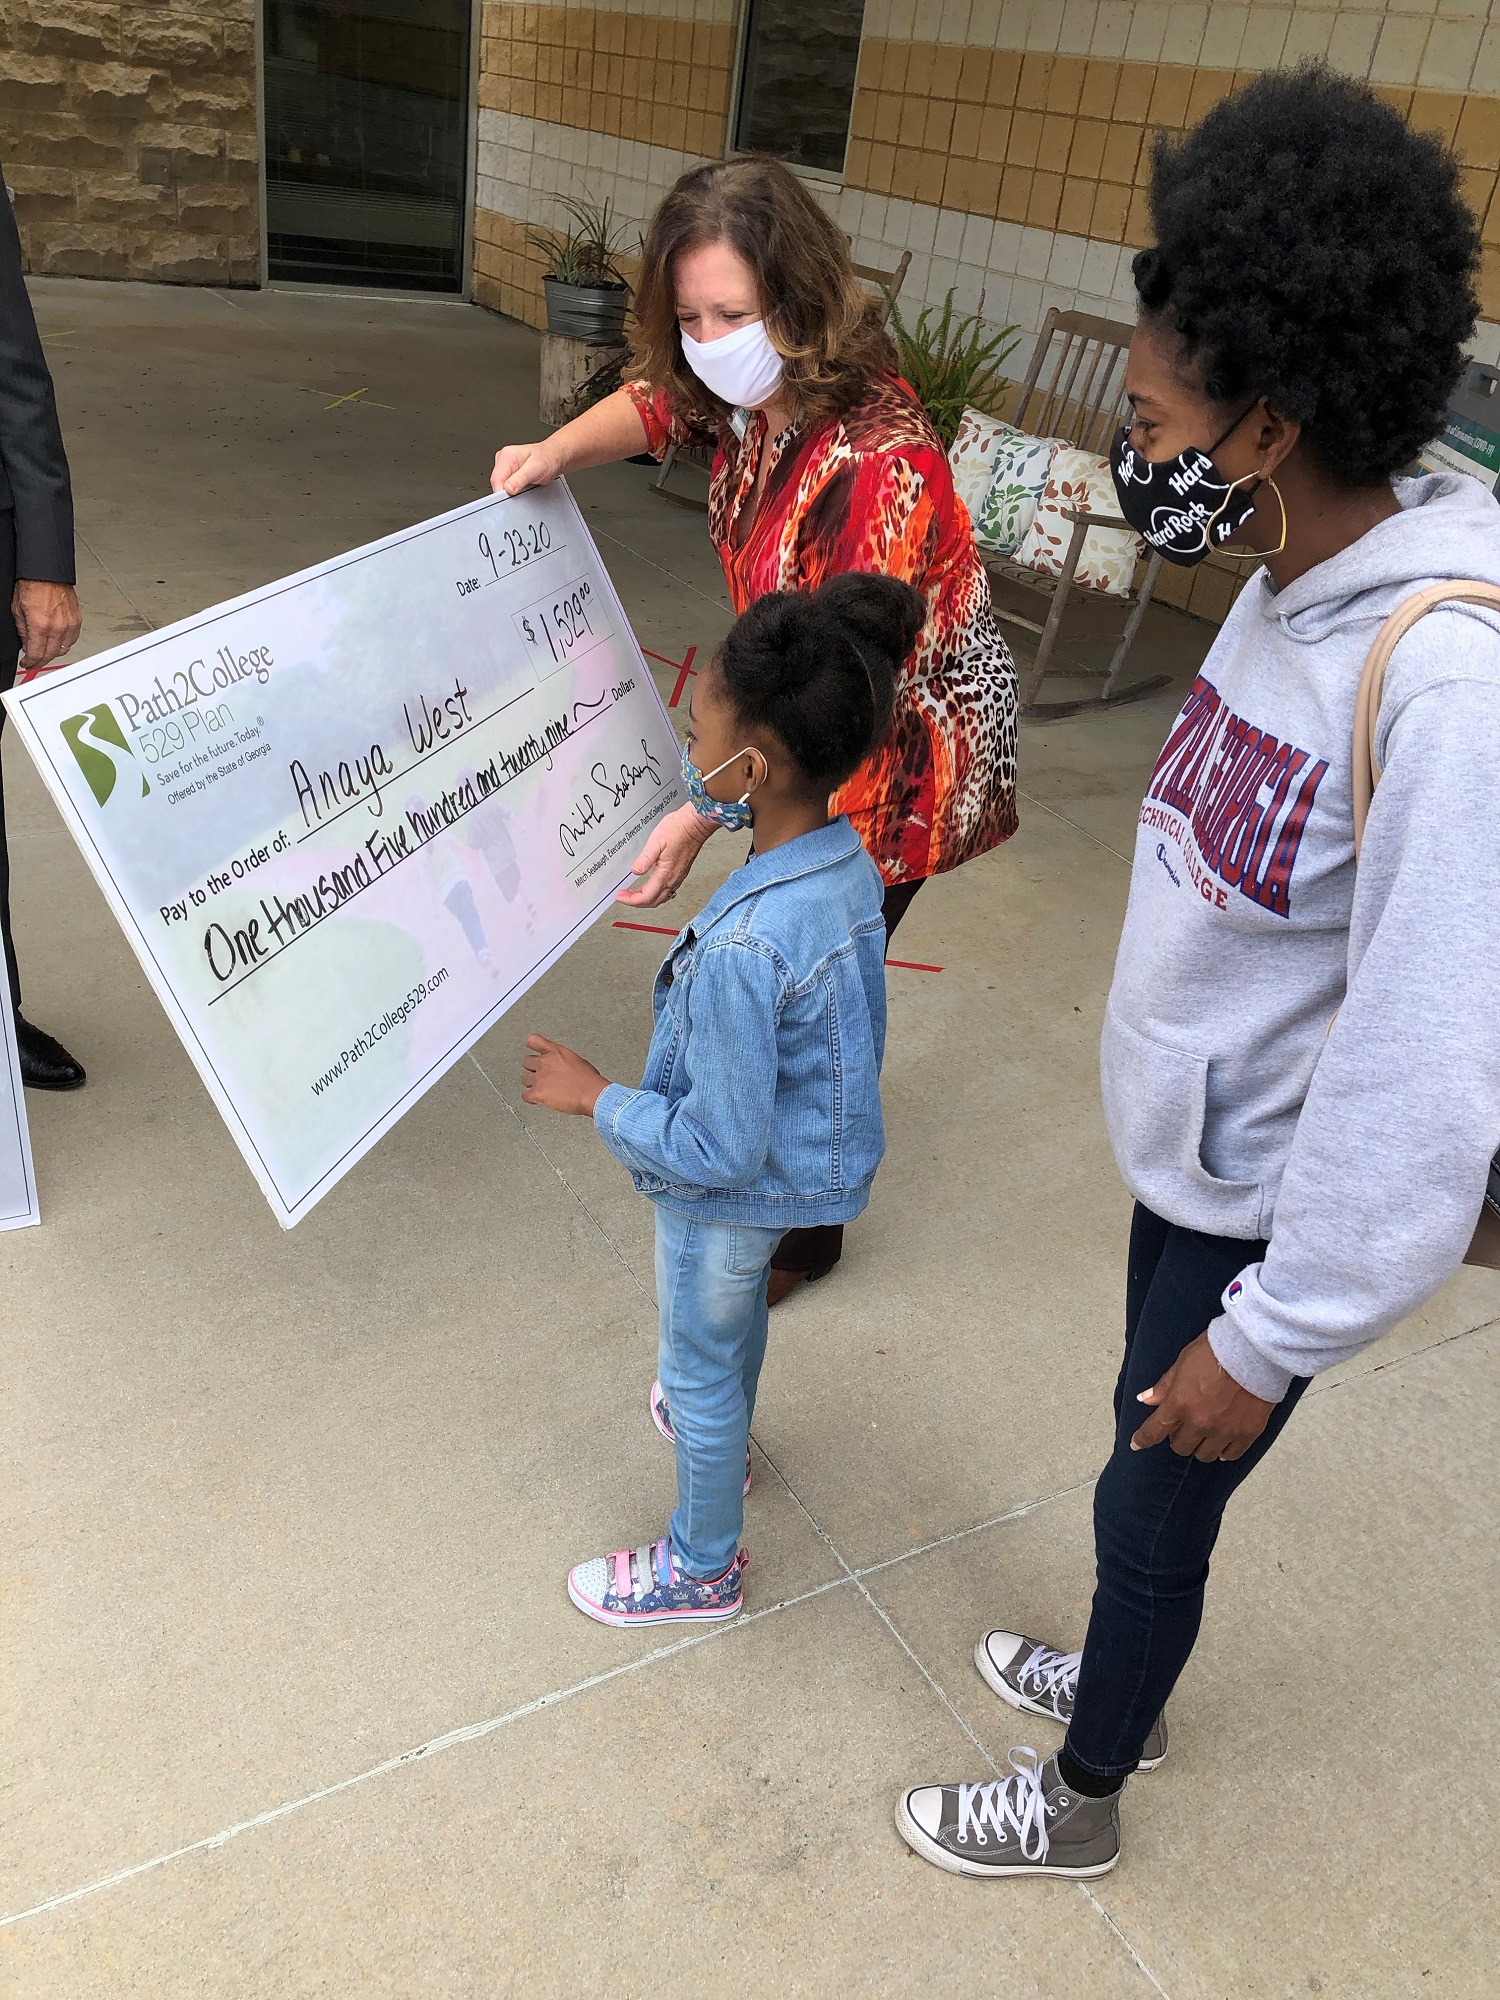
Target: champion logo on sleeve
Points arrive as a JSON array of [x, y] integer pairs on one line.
[[1233, 1293]]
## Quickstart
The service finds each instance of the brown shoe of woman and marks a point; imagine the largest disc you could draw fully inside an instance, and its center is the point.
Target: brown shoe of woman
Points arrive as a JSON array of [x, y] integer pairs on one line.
[[781, 1284]]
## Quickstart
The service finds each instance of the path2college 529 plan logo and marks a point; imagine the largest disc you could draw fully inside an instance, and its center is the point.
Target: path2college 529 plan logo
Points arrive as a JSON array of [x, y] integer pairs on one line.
[[98, 743]]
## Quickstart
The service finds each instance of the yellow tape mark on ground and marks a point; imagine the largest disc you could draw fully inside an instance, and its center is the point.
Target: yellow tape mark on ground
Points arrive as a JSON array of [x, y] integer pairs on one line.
[[354, 396]]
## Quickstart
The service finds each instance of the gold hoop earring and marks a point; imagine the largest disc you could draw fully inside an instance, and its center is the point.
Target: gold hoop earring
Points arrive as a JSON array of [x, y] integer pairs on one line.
[[1282, 505], [1260, 555]]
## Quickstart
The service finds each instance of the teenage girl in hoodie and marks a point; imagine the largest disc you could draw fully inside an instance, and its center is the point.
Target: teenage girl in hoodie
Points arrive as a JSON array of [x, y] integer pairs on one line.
[[1299, 1188]]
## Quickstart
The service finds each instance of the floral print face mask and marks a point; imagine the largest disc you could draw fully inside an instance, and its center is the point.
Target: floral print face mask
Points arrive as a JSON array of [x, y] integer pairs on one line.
[[733, 815]]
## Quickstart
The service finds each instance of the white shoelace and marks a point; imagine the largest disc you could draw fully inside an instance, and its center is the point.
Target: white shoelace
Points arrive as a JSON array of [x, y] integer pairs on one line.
[[1053, 1676], [1009, 1805]]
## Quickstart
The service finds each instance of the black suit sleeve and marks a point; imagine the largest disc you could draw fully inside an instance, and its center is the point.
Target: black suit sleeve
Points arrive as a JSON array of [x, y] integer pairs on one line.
[[33, 464]]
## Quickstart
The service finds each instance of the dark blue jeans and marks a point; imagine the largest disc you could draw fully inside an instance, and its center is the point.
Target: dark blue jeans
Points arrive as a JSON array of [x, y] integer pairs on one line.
[[1156, 1516]]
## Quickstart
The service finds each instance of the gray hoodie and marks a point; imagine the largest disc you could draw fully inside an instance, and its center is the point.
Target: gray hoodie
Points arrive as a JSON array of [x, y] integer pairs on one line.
[[1360, 1152]]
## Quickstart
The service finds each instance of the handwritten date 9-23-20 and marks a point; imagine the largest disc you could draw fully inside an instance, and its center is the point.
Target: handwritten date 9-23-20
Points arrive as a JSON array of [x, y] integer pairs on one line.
[[507, 550]]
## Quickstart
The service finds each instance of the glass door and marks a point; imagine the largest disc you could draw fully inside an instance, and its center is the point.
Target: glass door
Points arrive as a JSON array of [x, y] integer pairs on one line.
[[797, 81], [367, 106]]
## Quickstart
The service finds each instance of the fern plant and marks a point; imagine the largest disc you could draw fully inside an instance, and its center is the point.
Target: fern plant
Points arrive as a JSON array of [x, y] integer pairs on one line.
[[952, 362], [585, 254]]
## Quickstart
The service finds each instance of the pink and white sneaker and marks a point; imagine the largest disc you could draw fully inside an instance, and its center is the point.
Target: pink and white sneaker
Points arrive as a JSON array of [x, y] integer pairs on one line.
[[647, 1587], [661, 1416]]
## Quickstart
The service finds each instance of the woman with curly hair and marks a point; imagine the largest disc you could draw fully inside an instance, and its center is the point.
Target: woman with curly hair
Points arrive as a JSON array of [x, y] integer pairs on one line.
[[1302, 1182], [756, 337]]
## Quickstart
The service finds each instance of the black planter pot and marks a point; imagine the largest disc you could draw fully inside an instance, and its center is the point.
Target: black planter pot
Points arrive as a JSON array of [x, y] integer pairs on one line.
[[586, 312]]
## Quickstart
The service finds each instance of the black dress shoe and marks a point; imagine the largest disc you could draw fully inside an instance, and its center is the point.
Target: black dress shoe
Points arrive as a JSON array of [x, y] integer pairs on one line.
[[45, 1063]]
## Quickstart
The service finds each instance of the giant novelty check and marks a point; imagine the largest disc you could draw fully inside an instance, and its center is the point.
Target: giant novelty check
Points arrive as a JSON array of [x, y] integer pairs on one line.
[[347, 820]]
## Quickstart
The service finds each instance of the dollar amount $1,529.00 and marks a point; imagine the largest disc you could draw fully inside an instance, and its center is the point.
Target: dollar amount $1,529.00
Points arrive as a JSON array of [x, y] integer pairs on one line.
[[563, 625]]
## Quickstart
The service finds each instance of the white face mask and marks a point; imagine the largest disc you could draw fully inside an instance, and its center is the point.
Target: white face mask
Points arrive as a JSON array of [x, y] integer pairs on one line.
[[741, 368]]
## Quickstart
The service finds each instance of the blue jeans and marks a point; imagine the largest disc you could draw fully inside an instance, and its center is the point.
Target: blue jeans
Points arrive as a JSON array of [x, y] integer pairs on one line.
[[711, 1291], [1156, 1516]]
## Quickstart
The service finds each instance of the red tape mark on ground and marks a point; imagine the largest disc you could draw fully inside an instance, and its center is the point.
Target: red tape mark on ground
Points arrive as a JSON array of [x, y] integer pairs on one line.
[[685, 669], [661, 930]]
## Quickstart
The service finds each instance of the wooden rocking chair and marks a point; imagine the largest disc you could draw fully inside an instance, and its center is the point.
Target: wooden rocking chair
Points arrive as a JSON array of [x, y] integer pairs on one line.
[[1081, 401], [888, 283]]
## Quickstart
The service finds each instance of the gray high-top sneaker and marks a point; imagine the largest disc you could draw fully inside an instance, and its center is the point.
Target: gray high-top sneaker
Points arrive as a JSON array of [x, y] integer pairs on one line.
[[1028, 1824], [1042, 1681]]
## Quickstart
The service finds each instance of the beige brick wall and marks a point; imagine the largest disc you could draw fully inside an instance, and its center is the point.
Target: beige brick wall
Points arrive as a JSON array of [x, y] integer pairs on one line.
[[1004, 143], [665, 82], [1062, 142], [579, 100], [128, 135]]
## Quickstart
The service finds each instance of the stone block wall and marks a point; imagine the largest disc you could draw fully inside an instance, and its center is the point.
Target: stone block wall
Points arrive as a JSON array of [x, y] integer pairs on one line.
[[128, 136]]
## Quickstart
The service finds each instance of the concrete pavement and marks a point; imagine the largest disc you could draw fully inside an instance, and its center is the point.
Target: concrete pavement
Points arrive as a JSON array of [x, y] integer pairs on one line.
[[296, 1702]]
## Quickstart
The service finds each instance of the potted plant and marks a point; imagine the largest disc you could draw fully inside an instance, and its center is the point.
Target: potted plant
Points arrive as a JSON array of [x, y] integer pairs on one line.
[[585, 288], [952, 363]]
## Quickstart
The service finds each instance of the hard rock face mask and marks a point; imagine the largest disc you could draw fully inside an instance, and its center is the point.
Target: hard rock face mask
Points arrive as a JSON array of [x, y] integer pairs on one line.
[[1183, 506]]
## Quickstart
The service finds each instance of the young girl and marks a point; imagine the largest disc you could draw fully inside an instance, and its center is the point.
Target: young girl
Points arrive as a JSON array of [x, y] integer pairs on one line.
[[760, 1106]]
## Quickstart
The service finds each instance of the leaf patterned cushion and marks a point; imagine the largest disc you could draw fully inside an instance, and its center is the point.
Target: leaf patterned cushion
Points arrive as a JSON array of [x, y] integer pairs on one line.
[[1082, 481], [972, 456], [1017, 479]]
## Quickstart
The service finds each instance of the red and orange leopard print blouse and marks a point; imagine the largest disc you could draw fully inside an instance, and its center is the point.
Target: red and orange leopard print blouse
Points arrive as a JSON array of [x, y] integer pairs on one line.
[[871, 491]]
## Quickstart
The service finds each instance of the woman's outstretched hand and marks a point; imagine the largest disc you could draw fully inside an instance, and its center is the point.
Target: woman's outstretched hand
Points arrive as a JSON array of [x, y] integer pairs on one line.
[[518, 466], [1200, 1409], [663, 864]]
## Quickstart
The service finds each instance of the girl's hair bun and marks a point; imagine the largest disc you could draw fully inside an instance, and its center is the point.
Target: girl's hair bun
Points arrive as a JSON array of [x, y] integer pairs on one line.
[[818, 668]]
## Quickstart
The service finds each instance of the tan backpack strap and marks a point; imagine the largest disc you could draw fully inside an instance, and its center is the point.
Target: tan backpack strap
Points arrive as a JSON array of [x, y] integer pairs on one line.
[[1372, 681]]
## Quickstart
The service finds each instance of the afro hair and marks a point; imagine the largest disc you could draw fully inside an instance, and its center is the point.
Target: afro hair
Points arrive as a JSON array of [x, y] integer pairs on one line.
[[1312, 249]]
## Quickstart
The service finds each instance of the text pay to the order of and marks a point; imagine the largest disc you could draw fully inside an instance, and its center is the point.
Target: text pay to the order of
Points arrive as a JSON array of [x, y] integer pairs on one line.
[[347, 820]]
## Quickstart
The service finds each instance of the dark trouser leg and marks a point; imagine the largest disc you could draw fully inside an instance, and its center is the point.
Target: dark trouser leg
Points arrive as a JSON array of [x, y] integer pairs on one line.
[[819, 1249], [1156, 1516], [898, 900], [810, 1249], [10, 652]]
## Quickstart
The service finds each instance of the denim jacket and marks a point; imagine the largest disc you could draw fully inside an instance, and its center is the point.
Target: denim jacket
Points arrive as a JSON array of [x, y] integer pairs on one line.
[[761, 1098]]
